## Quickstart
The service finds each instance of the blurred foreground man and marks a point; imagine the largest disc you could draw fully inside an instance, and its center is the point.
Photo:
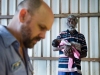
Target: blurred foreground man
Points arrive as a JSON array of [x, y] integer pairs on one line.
[[28, 26]]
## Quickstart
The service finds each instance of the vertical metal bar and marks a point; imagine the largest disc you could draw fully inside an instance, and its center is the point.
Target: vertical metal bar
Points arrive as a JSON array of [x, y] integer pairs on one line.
[[16, 5], [50, 43], [51, 34], [78, 17], [60, 13], [0, 10], [69, 6], [7, 11]]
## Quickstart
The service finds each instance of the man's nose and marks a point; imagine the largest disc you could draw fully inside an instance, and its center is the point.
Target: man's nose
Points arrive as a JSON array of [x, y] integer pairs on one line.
[[42, 34]]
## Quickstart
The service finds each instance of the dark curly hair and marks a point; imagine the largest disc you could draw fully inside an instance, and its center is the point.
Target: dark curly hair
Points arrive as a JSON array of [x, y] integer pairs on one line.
[[56, 42]]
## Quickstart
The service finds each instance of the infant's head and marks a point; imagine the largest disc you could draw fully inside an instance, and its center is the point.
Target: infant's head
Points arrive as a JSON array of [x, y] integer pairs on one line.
[[56, 42]]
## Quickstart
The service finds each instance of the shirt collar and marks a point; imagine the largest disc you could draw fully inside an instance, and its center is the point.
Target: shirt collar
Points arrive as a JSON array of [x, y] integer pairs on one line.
[[7, 37]]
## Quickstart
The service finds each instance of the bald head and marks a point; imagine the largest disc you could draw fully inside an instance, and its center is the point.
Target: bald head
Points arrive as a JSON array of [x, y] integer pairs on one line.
[[30, 5], [32, 20], [46, 14]]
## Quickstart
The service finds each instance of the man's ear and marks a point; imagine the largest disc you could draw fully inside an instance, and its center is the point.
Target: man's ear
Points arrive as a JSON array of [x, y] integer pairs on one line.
[[22, 15]]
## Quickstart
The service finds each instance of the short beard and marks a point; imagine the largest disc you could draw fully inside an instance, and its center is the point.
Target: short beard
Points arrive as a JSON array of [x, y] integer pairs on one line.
[[26, 37], [71, 28], [26, 34]]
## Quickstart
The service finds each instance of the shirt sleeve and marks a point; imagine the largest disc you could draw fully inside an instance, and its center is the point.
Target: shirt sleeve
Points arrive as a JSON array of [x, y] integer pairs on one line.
[[83, 47], [60, 35]]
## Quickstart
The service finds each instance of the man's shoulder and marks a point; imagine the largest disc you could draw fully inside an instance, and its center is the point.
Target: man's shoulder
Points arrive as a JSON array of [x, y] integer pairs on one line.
[[2, 39], [2, 46], [81, 34], [63, 32]]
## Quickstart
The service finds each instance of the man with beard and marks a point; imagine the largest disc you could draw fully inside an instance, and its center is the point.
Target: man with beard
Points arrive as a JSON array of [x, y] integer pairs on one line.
[[76, 40], [29, 25]]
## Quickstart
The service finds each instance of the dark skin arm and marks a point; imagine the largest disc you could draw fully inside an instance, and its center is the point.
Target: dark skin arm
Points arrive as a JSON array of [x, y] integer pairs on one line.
[[83, 53]]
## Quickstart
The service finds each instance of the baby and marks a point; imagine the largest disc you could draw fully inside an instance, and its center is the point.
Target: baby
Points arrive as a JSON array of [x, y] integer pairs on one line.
[[68, 49], [64, 46]]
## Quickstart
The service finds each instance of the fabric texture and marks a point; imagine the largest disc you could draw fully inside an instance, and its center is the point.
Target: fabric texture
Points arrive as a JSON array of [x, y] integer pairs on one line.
[[74, 53], [11, 62]]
